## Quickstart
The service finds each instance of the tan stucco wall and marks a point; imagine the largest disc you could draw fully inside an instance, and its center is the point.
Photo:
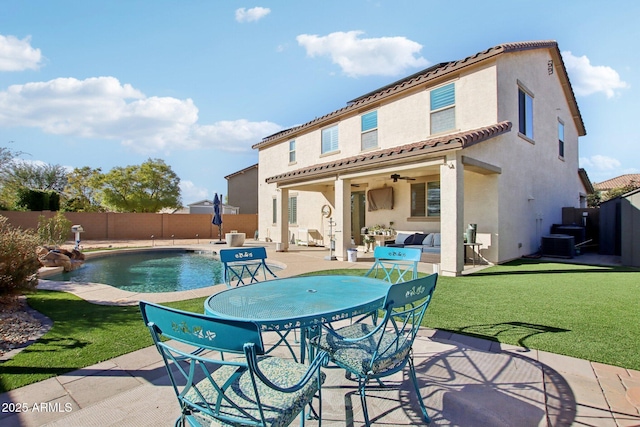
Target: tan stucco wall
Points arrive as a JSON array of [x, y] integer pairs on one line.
[[242, 190]]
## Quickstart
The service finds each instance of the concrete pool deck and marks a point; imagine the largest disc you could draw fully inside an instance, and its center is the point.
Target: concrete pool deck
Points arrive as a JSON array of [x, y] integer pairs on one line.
[[465, 381]]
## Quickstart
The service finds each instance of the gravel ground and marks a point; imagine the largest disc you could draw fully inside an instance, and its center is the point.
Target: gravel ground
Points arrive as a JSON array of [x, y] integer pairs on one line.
[[17, 325]]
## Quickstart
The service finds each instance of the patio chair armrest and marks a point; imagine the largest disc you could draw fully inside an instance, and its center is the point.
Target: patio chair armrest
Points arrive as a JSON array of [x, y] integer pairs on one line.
[[321, 359]]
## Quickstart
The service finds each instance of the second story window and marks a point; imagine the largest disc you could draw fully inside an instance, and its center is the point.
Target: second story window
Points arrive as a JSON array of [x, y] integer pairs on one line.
[[292, 151], [369, 129], [560, 139], [443, 108], [525, 113], [329, 139]]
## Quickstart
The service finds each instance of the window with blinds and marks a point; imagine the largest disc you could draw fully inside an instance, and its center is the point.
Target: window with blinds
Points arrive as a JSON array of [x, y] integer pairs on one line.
[[369, 129], [292, 151], [293, 210], [330, 139], [425, 199], [418, 201], [443, 112], [274, 210], [433, 198]]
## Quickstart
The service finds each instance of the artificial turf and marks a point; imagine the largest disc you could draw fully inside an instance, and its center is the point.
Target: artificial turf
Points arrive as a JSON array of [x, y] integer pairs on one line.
[[582, 311]]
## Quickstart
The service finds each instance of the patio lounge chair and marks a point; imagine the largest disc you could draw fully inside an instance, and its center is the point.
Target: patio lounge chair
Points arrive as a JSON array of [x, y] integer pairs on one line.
[[243, 388], [371, 352]]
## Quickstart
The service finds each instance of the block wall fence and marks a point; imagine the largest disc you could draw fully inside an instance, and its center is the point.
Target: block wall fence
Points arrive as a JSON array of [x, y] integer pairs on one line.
[[141, 226]]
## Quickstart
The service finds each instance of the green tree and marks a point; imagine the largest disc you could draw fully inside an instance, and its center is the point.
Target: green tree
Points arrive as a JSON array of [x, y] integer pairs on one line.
[[81, 191], [19, 177], [149, 187]]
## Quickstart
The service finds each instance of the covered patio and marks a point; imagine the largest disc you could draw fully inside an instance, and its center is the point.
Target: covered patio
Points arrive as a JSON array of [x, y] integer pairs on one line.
[[468, 193]]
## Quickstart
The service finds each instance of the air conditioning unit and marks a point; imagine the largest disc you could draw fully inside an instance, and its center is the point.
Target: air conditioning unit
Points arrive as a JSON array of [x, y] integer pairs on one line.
[[559, 245]]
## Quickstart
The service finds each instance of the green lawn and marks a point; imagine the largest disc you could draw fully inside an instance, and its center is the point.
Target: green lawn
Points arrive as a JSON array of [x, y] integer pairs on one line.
[[582, 311]]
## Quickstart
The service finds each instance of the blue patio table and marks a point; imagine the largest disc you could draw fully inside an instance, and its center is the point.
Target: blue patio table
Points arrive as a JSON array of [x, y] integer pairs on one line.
[[282, 305]]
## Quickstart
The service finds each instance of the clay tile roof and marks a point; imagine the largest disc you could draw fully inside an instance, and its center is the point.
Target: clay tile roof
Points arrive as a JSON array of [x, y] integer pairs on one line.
[[432, 73], [437, 144], [619, 181], [586, 182]]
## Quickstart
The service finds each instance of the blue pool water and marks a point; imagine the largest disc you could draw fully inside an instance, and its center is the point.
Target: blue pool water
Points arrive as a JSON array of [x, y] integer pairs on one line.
[[151, 271]]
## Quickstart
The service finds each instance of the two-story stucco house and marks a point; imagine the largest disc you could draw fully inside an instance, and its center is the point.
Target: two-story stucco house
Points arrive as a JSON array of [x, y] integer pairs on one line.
[[491, 139]]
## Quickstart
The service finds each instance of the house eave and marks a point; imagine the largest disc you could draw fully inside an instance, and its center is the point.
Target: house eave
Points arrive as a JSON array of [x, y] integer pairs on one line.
[[432, 147]]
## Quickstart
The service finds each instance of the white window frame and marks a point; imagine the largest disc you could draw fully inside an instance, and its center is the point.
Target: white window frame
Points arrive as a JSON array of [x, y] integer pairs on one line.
[[292, 151], [428, 210], [526, 118], [293, 210], [370, 133], [329, 146], [439, 110]]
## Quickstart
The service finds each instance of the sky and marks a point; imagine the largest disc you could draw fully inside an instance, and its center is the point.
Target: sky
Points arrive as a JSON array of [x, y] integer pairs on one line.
[[196, 83]]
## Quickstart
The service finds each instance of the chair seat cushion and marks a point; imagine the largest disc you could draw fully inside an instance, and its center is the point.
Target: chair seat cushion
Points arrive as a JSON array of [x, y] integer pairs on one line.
[[279, 408], [357, 356]]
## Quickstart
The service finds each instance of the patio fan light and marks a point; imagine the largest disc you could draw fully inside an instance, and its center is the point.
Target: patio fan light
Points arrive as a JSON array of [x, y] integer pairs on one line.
[[396, 177]]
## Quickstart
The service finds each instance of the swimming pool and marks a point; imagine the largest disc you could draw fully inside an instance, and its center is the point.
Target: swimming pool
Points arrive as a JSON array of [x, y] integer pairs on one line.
[[149, 271]]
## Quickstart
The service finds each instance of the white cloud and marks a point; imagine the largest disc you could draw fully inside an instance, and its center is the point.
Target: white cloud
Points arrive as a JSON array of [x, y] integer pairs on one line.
[[588, 79], [189, 191], [251, 15], [18, 55], [103, 108], [237, 135], [386, 56], [600, 163]]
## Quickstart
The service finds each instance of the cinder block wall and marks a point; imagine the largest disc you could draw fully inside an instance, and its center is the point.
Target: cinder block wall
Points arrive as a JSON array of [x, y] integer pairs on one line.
[[141, 226]]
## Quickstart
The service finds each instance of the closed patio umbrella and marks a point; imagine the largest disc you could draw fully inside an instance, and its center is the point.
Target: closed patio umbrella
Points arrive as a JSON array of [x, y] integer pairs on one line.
[[217, 217]]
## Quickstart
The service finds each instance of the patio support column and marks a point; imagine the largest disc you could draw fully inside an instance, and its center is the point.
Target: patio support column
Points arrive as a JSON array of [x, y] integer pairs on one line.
[[342, 217], [283, 219], [452, 216]]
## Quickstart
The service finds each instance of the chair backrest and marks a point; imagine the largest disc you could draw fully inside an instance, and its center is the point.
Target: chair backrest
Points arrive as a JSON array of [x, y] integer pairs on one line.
[[243, 266], [234, 389], [404, 309], [390, 260]]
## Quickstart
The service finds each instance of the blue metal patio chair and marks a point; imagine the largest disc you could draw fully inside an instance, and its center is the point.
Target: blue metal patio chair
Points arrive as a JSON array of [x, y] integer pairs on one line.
[[243, 388], [243, 266], [390, 260], [371, 352]]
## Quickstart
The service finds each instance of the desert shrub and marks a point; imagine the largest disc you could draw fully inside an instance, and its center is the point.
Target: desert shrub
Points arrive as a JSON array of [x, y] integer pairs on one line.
[[55, 230], [18, 260]]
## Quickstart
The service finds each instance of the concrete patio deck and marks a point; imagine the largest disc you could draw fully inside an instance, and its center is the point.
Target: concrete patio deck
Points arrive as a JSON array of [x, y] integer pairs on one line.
[[465, 381]]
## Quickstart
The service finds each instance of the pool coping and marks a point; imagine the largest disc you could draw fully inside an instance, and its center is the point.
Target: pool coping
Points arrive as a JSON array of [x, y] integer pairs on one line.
[[103, 294]]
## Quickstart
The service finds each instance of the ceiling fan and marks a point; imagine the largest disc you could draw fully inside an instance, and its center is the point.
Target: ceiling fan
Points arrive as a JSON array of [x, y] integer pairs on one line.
[[395, 177]]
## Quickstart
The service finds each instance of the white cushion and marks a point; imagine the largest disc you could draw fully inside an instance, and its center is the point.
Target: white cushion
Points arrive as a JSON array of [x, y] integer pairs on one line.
[[428, 241], [436, 239]]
